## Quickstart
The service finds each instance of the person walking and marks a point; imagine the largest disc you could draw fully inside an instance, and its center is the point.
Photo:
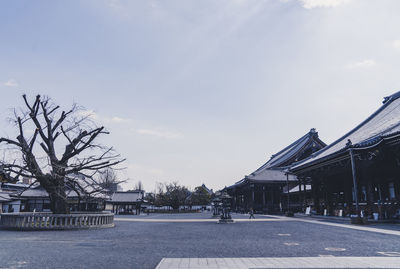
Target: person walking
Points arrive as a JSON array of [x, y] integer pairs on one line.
[[251, 213]]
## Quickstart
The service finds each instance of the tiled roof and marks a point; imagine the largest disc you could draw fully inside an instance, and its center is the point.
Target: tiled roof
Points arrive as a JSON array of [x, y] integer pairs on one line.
[[121, 197], [270, 175], [278, 159], [383, 123], [34, 192], [274, 169], [38, 192], [4, 197], [266, 176]]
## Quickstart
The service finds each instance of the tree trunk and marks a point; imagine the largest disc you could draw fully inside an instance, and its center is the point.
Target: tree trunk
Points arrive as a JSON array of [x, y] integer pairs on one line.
[[58, 202], [55, 187]]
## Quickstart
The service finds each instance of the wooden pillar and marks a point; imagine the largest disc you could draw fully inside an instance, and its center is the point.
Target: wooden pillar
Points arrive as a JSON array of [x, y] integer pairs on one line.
[[263, 196], [252, 196], [370, 192], [354, 173], [304, 194], [272, 197], [288, 193], [299, 196], [315, 193]]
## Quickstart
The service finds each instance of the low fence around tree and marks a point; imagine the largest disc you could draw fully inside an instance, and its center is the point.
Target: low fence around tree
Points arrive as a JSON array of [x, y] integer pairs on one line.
[[49, 221]]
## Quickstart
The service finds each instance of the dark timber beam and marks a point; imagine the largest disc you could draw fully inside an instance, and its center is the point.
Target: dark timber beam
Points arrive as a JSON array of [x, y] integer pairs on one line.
[[288, 193], [353, 169]]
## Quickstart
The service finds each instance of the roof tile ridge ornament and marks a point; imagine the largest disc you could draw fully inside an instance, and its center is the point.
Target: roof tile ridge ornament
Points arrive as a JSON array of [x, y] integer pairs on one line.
[[349, 144], [391, 97]]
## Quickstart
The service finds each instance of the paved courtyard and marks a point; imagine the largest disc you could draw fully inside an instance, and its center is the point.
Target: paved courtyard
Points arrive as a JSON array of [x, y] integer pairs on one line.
[[196, 241]]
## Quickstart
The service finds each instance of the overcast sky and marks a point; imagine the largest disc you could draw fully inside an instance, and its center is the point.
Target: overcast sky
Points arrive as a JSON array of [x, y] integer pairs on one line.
[[203, 91]]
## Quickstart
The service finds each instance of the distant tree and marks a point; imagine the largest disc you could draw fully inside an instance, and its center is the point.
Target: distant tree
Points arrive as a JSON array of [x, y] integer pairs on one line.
[[171, 194], [159, 195], [200, 196], [108, 181], [176, 195], [35, 155], [150, 198], [139, 186]]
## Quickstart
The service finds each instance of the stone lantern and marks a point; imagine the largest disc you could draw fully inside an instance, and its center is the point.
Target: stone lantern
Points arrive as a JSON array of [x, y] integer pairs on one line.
[[217, 207], [226, 208]]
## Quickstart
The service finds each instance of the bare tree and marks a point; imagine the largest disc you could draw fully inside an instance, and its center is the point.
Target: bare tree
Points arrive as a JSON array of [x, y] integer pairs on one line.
[[70, 132], [139, 186], [108, 181]]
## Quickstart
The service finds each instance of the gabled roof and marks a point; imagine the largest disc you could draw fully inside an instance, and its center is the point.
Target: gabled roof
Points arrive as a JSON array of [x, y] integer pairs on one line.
[[280, 159], [274, 169], [40, 192], [385, 122], [36, 191], [269, 175], [207, 189], [126, 197]]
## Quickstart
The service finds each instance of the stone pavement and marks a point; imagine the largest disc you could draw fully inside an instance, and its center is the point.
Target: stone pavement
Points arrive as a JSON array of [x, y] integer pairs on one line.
[[329, 261], [297, 262], [347, 226], [195, 220], [265, 218], [144, 241]]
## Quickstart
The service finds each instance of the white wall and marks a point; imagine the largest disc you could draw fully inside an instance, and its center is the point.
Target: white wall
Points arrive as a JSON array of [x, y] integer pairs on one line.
[[15, 205]]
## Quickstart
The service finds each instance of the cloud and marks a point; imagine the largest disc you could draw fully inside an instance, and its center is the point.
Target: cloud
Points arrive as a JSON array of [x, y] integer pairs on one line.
[[114, 4], [362, 64], [88, 113], [11, 83], [94, 116], [163, 134], [118, 120], [396, 44], [309, 4]]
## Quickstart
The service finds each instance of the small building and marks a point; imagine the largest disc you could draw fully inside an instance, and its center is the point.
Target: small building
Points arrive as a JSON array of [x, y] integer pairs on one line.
[[5, 205], [22, 198], [125, 202], [8, 203], [262, 189]]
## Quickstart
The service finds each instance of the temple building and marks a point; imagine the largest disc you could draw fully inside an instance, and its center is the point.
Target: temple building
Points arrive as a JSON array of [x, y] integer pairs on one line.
[[361, 170], [125, 203], [20, 197], [262, 189]]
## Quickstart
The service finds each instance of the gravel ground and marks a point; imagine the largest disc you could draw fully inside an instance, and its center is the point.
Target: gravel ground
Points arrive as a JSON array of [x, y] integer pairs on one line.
[[142, 244]]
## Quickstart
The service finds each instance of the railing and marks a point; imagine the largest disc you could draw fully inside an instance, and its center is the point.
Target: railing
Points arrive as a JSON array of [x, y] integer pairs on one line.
[[49, 221]]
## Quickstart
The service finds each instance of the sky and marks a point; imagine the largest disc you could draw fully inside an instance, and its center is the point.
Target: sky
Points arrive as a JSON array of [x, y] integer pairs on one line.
[[202, 91]]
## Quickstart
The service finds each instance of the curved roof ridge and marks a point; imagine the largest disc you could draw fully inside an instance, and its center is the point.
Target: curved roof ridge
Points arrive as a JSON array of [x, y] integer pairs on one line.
[[386, 102], [309, 134], [285, 157]]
